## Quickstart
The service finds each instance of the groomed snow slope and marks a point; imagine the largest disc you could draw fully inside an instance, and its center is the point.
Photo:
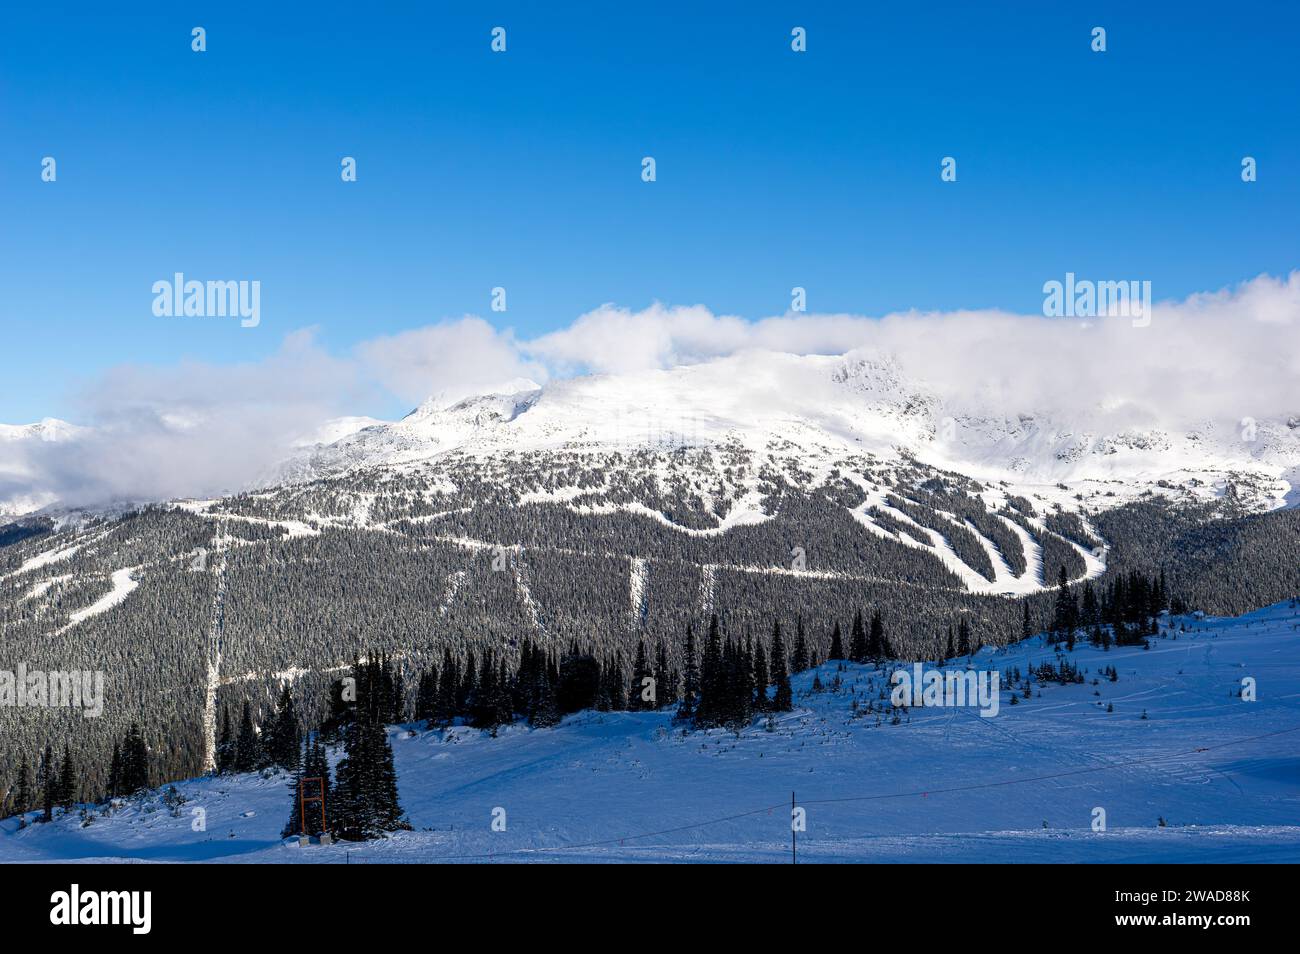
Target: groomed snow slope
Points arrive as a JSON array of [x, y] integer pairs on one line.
[[947, 785]]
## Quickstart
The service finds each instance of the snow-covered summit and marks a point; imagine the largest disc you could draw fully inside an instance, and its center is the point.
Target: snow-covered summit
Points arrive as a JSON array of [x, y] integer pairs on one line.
[[46, 429], [824, 408]]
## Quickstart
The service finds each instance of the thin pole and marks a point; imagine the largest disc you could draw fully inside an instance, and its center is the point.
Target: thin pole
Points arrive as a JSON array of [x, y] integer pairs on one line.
[[794, 835]]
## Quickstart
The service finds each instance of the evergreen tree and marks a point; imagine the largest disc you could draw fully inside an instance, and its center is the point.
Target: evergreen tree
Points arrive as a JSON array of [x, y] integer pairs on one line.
[[444, 710], [578, 683], [761, 680], [49, 784], [342, 710], [247, 750], [465, 691], [783, 699], [614, 683], [484, 701], [114, 787], [135, 762], [366, 799], [690, 680], [837, 644], [1089, 611], [963, 638], [505, 712], [1066, 618], [665, 679], [640, 673], [67, 787], [545, 712], [877, 644], [708, 708], [800, 661], [858, 651], [225, 754], [426, 695], [285, 740], [22, 799]]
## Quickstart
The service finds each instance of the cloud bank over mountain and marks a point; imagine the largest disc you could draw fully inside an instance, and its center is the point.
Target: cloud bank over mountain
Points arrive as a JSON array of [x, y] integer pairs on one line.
[[197, 429]]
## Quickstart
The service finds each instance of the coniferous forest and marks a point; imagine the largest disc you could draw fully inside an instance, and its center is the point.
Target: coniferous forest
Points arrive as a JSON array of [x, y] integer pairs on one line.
[[486, 610]]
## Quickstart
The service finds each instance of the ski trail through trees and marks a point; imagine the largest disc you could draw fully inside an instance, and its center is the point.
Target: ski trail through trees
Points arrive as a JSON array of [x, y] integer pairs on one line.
[[213, 651]]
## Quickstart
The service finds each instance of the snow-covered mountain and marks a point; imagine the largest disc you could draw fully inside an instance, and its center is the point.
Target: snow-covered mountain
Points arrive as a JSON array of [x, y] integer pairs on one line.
[[817, 410], [20, 491], [824, 409], [616, 510], [47, 429]]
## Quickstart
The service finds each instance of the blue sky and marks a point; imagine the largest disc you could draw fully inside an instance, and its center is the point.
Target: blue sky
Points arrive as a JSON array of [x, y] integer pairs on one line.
[[522, 169]]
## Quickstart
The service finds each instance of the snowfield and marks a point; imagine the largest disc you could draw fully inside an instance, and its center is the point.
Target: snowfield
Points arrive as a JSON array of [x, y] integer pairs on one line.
[[943, 785]]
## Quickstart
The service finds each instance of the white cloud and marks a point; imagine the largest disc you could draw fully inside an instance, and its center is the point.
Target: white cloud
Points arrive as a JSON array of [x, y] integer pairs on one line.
[[188, 430], [454, 359], [1230, 353]]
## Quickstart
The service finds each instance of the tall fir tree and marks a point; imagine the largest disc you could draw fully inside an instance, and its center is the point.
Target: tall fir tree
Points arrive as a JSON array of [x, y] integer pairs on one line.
[[49, 783], [837, 643], [665, 679], [858, 650], [690, 679], [135, 762], [444, 710], [878, 645], [22, 797], [114, 785], [285, 740], [762, 679], [640, 673], [225, 754], [1066, 618], [800, 661], [963, 638], [783, 697], [367, 800], [68, 785], [247, 748], [426, 695]]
